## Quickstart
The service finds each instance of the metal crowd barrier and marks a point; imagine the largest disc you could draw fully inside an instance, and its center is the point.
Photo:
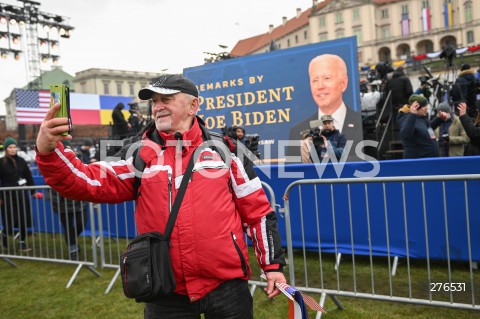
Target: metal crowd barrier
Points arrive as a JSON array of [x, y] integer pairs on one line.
[[30, 229], [107, 232], [343, 234], [428, 223]]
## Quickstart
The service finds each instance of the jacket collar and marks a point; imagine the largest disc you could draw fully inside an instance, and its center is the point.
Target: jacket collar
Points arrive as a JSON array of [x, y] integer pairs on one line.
[[193, 135]]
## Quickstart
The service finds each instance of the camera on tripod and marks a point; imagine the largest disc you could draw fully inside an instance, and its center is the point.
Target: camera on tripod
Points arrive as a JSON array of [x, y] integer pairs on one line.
[[249, 140], [230, 132], [449, 53], [425, 85], [382, 69]]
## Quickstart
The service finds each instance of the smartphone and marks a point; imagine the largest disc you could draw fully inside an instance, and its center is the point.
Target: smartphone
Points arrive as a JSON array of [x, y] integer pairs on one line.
[[60, 94]]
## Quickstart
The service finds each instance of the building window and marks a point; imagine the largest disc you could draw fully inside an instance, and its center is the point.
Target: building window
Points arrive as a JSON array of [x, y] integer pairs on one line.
[[385, 32], [83, 86], [296, 38], [358, 33], [305, 35], [405, 8], [279, 45], [356, 14], [425, 4], [384, 13], [468, 12], [338, 17], [323, 36], [288, 43], [131, 89], [119, 88], [470, 37], [339, 34], [321, 21], [106, 90]]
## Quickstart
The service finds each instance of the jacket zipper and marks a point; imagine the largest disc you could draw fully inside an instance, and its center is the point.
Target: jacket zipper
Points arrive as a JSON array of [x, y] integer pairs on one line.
[[169, 193], [242, 259], [125, 275]]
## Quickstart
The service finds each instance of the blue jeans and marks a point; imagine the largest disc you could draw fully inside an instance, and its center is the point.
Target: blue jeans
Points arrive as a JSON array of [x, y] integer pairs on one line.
[[230, 300]]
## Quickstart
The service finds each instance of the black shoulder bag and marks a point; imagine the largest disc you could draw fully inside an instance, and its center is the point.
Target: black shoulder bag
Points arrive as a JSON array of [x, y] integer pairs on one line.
[[145, 266]]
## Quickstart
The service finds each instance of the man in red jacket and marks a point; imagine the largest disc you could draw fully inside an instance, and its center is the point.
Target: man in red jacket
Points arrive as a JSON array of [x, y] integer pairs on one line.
[[223, 200]]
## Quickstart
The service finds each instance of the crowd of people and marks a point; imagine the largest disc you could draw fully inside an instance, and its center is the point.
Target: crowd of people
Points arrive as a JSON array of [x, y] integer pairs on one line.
[[450, 130], [450, 126]]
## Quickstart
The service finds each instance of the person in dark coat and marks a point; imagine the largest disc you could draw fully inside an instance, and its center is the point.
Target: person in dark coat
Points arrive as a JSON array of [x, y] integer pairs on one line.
[[449, 131], [15, 205], [463, 90], [417, 136], [83, 152], [401, 89], [135, 120], [472, 128], [120, 126]]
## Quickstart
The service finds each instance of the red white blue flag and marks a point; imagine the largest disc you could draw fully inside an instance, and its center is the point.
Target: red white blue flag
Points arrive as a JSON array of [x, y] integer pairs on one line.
[[297, 302], [31, 105], [426, 22]]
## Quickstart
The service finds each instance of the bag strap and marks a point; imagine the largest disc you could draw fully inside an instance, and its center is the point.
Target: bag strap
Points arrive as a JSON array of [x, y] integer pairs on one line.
[[181, 192]]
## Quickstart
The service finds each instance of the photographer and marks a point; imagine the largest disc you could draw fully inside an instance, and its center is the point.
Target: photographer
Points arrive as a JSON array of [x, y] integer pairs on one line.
[[135, 120], [326, 140], [449, 131], [240, 132], [249, 140], [401, 89], [463, 90]]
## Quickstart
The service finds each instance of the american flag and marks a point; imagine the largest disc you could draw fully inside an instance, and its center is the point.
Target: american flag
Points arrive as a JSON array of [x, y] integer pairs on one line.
[[297, 302], [31, 105]]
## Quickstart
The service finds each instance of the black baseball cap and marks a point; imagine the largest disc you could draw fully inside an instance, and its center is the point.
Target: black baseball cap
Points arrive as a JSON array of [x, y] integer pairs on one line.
[[169, 84]]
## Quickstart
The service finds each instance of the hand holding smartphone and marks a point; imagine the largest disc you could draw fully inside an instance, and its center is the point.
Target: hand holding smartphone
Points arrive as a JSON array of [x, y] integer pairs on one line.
[[60, 94]]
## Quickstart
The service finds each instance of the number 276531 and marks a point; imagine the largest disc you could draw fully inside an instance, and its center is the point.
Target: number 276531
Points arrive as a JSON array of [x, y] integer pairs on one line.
[[447, 286]]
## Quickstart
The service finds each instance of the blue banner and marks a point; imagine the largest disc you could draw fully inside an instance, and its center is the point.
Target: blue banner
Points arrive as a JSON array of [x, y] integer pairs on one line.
[[269, 94]]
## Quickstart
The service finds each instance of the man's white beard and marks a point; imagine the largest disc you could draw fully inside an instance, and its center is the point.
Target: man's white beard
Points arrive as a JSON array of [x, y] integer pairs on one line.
[[163, 124]]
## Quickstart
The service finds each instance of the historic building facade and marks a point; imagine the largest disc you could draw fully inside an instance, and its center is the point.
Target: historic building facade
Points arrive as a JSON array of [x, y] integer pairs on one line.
[[385, 29], [112, 82]]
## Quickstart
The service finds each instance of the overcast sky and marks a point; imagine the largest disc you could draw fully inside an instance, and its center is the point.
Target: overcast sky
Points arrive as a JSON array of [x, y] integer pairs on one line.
[[149, 35]]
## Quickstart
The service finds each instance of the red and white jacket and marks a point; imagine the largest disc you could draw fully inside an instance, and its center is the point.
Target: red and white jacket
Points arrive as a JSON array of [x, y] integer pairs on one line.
[[221, 202]]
